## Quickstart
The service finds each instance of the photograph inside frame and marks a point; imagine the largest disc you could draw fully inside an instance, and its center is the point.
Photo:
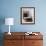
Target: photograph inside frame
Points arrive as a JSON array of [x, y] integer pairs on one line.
[[28, 15]]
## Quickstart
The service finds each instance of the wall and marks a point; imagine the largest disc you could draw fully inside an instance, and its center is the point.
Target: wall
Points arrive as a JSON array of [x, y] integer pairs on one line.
[[11, 8]]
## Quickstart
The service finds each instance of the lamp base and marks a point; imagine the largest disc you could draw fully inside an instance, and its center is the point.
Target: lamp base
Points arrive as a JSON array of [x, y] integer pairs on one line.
[[9, 33]]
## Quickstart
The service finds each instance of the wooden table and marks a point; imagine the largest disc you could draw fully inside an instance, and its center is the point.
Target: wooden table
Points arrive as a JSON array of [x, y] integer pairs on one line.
[[20, 39]]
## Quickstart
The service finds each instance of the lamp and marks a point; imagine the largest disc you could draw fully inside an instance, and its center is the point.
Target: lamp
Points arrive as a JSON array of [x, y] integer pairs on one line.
[[9, 21]]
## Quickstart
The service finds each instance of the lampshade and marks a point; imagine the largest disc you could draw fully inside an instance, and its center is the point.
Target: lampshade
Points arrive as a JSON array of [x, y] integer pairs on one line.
[[9, 21]]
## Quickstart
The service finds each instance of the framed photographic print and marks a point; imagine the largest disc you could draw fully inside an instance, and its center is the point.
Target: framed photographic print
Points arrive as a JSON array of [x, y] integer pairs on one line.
[[27, 15]]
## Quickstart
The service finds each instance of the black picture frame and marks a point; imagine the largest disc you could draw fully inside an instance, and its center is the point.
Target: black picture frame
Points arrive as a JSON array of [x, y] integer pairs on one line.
[[27, 15]]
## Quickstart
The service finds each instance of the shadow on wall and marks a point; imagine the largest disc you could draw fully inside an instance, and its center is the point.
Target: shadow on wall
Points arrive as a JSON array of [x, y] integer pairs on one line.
[[2, 21]]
